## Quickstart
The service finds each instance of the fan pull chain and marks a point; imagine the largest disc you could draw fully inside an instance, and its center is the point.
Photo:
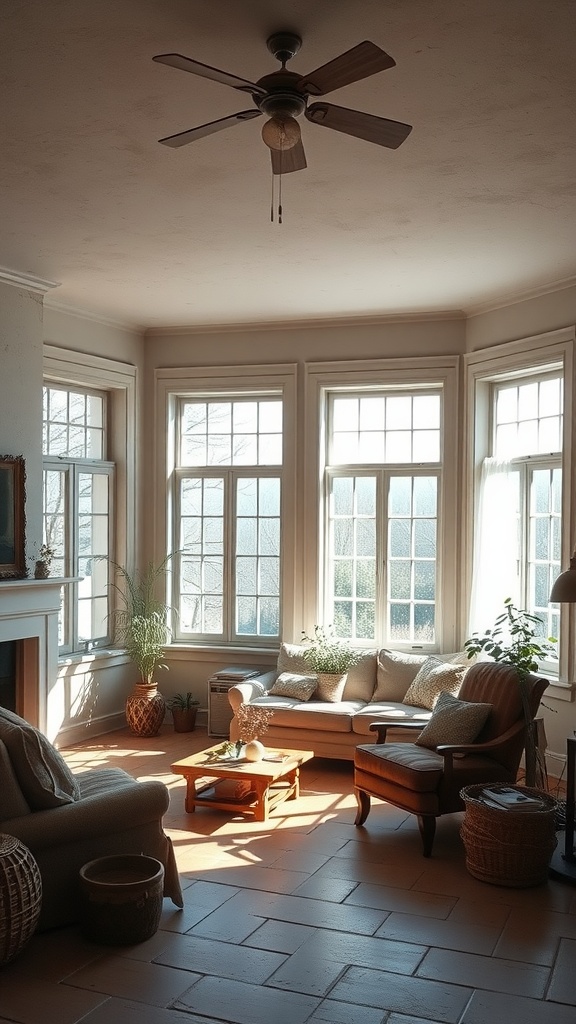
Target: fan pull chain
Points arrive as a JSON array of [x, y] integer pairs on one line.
[[279, 194]]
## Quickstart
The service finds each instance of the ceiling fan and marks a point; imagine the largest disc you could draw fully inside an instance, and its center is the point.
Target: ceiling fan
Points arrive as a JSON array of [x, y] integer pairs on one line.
[[283, 96]]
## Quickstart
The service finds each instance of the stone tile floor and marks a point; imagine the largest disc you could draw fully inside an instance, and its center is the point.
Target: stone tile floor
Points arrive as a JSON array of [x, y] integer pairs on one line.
[[305, 918]]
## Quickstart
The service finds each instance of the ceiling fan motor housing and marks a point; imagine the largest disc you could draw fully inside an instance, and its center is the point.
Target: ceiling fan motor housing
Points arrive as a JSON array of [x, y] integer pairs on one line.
[[282, 99]]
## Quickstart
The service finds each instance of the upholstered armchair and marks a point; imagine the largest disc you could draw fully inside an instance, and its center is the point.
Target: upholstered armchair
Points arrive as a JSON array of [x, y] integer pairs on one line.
[[68, 819], [460, 746]]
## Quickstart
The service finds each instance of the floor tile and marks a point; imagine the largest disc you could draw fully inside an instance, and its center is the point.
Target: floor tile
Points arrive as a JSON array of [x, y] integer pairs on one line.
[[326, 888], [120, 1011], [364, 951], [433, 932], [484, 972], [332, 1012], [562, 984], [315, 913], [302, 972], [224, 960], [279, 935], [242, 1003], [36, 1002], [405, 901], [495, 1007], [226, 926], [415, 996], [132, 979]]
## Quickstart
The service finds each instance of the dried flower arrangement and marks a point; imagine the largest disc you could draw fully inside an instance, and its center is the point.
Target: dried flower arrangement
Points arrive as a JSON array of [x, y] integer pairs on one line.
[[252, 721]]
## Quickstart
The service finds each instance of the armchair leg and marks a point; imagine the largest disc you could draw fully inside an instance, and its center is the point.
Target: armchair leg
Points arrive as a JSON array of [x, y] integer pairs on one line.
[[363, 806], [427, 826]]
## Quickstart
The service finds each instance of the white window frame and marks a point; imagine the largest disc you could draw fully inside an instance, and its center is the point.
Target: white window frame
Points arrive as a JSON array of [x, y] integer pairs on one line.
[[63, 367], [539, 353], [362, 375], [173, 384]]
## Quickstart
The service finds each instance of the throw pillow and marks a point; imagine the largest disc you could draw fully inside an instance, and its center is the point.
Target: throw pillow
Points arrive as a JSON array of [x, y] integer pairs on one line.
[[453, 721], [42, 773], [290, 660], [395, 672], [288, 684], [330, 688], [434, 678]]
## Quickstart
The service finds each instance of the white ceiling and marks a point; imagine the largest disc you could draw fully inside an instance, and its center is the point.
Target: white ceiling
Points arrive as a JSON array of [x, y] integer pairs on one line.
[[476, 207]]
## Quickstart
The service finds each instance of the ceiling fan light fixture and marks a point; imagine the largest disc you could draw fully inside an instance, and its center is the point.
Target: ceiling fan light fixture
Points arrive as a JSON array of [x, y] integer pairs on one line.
[[281, 132]]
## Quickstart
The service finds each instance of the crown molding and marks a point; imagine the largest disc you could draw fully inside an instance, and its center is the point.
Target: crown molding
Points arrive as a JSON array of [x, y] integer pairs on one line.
[[512, 300], [28, 281], [311, 324], [97, 318]]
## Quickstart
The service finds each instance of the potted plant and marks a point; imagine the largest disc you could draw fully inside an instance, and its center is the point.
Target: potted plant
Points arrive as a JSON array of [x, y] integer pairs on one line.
[[183, 707], [43, 562], [330, 658], [516, 639], [142, 628]]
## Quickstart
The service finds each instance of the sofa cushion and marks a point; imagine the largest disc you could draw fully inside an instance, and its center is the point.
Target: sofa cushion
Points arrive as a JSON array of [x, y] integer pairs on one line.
[[42, 773], [388, 711], [395, 672], [361, 678], [453, 721], [313, 714], [289, 684], [402, 764], [435, 677]]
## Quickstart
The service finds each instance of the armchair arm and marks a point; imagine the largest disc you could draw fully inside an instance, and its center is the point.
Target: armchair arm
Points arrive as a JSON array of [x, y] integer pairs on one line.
[[113, 809], [381, 728], [449, 750]]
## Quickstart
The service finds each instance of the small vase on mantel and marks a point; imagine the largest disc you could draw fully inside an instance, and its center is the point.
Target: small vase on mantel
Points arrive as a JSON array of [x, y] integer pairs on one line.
[[145, 710]]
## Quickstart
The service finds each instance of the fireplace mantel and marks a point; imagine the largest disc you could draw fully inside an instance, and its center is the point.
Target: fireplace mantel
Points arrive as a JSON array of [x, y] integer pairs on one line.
[[29, 613]]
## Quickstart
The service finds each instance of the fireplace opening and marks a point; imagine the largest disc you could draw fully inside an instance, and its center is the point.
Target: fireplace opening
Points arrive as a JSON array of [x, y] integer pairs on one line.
[[8, 659]]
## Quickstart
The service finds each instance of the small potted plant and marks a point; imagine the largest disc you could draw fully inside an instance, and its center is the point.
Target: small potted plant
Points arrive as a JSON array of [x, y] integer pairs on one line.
[[330, 658], [43, 562], [516, 639], [143, 629], [183, 707]]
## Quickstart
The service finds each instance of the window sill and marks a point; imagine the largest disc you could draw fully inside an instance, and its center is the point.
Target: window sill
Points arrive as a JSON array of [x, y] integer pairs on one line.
[[560, 691], [102, 657]]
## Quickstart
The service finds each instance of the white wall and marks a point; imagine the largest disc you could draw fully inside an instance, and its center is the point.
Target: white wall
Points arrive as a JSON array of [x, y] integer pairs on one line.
[[21, 397]]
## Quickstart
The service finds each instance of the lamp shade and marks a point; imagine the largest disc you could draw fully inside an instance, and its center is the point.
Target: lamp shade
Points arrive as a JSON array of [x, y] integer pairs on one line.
[[564, 588]]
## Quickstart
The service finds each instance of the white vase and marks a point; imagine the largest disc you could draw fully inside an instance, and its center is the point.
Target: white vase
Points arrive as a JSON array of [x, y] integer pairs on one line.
[[254, 750]]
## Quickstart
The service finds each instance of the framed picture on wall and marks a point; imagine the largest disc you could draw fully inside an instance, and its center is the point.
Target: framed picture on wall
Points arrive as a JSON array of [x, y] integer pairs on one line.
[[12, 517]]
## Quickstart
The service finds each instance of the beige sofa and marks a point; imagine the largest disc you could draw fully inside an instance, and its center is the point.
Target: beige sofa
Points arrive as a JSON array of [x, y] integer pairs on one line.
[[376, 688]]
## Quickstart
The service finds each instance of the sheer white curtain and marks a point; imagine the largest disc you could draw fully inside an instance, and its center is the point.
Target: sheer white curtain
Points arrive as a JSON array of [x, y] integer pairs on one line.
[[495, 563]]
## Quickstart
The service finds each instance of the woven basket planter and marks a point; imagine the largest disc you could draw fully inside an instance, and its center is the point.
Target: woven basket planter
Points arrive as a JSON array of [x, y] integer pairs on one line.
[[20, 897], [121, 898], [508, 847], [145, 710]]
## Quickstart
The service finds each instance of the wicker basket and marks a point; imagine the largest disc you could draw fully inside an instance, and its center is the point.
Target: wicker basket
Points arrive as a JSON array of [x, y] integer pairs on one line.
[[121, 898], [20, 897], [508, 847]]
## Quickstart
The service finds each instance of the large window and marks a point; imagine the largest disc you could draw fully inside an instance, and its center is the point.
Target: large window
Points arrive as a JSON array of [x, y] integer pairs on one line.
[[527, 431], [77, 510], [228, 517], [518, 520], [382, 485]]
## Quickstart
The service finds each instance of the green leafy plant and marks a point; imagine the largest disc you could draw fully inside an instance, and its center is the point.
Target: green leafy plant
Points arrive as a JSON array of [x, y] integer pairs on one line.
[[326, 653], [141, 623], [182, 701], [516, 638]]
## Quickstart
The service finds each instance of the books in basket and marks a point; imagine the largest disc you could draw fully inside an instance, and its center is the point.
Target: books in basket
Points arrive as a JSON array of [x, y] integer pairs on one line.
[[508, 798]]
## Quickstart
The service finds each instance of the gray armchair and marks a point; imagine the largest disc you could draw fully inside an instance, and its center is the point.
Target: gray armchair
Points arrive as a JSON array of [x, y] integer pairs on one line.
[[68, 819]]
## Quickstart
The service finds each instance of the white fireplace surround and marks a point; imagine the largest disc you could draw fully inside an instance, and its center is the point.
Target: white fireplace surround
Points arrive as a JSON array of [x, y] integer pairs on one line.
[[29, 614]]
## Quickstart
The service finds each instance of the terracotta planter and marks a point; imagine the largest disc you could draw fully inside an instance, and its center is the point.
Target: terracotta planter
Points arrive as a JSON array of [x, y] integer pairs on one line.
[[184, 719]]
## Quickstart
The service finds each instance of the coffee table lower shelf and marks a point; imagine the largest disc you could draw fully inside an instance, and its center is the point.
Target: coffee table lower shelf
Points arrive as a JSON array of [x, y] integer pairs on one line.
[[260, 785]]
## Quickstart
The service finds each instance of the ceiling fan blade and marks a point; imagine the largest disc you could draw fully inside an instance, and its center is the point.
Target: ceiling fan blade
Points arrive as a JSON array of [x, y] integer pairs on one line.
[[183, 138], [364, 126], [286, 160], [176, 60], [360, 62]]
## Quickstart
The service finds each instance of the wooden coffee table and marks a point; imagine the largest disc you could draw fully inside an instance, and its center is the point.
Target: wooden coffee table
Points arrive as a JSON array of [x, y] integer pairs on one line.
[[235, 784]]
